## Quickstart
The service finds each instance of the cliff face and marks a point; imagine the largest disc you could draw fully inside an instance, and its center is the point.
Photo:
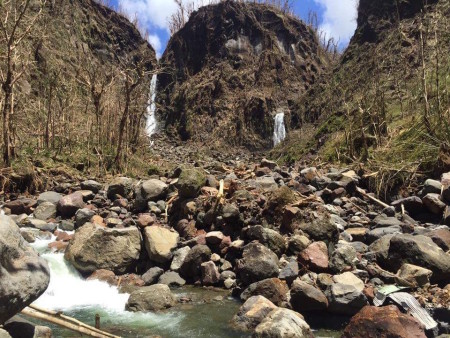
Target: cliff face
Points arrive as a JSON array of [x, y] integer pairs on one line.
[[228, 71]]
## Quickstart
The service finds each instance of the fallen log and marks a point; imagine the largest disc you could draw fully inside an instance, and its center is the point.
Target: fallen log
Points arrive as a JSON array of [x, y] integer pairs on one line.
[[64, 321]]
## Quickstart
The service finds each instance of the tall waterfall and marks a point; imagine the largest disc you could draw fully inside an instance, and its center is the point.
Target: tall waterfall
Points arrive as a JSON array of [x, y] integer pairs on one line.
[[151, 111], [279, 133]]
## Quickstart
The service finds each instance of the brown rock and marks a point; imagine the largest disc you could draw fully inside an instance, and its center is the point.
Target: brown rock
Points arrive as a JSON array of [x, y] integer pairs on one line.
[[273, 289], [210, 273], [387, 321], [145, 220], [58, 246], [315, 257], [104, 276], [98, 220], [68, 205], [21, 206]]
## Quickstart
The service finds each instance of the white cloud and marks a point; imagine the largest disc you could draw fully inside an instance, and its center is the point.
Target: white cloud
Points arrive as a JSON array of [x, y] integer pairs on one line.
[[156, 43], [339, 18]]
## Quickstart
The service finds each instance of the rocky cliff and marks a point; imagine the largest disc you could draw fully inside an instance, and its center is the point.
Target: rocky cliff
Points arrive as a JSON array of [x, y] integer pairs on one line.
[[231, 68]]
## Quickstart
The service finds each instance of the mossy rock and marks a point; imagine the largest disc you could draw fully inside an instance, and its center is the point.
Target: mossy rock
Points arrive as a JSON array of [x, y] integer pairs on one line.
[[190, 182]]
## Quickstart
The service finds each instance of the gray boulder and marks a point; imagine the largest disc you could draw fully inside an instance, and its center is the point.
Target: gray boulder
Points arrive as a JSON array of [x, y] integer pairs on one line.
[[257, 263], [151, 298], [413, 205], [179, 256], [343, 258], [83, 216], [190, 182], [252, 313], [24, 276], [150, 190], [434, 204], [45, 211], [94, 247], [346, 294], [418, 250], [152, 275], [191, 267], [268, 237], [283, 323], [122, 186], [91, 185], [306, 298], [171, 279]]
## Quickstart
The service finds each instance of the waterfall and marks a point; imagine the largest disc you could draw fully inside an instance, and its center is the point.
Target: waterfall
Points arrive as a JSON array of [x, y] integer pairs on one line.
[[279, 133], [151, 110]]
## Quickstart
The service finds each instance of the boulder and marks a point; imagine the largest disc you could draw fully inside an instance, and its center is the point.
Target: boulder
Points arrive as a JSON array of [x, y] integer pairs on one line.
[[383, 221], [49, 196], [434, 204], [41, 225], [4, 334], [160, 242], [24, 275], [306, 297], [418, 250], [21, 206], [94, 247], [152, 275], [344, 258], [151, 298], [386, 321], [268, 237], [283, 323], [273, 289], [91, 185], [69, 204], [413, 205], [190, 182], [150, 190], [441, 237], [179, 256], [82, 216], [214, 237], [252, 313], [210, 273], [190, 269], [171, 279], [257, 263], [432, 186], [346, 294], [290, 271], [120, 186], [315, 256], [414, 275], [45, 211], [18, 327], [321, 229]]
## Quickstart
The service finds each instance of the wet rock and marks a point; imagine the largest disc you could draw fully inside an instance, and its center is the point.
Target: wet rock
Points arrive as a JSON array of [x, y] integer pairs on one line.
[[103, 275], [190, 182], [268, 237], [282, 323], [91, 185], [306, 298], [190, 269], [273, 289], [315, 257], [346, 294], [21, 206], [152, 275], [24, 275], [258, 263], [418, 250], [171, 279], [94, 247], [210, 273], [20, 328], [343, 258], [151, 298], [414, 275], [386, 321], [434, 203], [252, 313], [67, 225], [150, 190], [83, 216], [160, 242], [41, 225], [69, 205], [45, 211], [120, 186], [413, 205]]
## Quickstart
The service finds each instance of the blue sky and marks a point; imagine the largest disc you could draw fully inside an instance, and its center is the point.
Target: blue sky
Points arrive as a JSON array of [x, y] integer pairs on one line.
[[337, 18]]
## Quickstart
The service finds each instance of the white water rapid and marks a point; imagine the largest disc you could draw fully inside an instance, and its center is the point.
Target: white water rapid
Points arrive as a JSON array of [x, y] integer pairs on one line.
[[279, 133], [151, 111]]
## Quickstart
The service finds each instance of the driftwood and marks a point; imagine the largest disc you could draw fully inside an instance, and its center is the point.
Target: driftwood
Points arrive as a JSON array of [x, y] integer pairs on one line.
[[373, 199], [59, 319]]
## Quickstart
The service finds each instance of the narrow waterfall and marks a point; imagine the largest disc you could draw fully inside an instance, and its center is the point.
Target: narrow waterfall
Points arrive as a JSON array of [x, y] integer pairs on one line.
[[151, 111], [279, 133]]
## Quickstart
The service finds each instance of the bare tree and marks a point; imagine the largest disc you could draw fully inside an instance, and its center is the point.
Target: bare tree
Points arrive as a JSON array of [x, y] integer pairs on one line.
[[17, 18]]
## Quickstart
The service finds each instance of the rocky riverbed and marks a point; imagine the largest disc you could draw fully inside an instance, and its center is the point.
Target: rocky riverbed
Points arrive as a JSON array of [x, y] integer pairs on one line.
[[292, 244]]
